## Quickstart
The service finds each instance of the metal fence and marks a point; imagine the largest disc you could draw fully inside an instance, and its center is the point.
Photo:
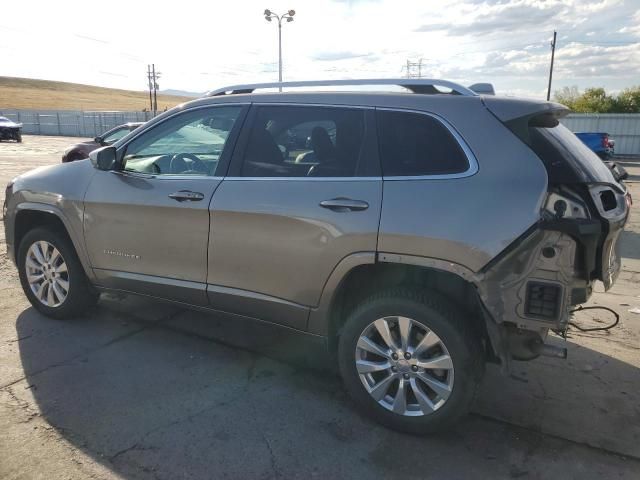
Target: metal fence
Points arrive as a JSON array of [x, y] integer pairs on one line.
[[72, 123], [624, 128]]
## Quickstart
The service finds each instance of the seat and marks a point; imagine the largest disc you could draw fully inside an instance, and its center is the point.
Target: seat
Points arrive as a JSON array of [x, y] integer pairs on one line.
[[323, 148], [322, 145], [263, 158], [262, 148]]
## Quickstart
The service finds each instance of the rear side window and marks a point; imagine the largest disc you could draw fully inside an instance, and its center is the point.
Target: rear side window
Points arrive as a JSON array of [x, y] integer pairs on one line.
[[305, 141], [415, 144], [566, 158]]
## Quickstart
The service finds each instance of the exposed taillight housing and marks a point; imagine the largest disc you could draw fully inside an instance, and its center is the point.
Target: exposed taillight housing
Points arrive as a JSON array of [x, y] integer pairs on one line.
[[605, 141]]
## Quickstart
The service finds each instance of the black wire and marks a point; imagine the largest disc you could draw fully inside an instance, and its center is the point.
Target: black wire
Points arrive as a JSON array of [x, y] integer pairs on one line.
[[595, 329]]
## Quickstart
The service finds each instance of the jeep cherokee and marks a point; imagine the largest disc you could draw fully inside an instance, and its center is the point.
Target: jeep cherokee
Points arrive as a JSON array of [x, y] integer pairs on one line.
[[419, 234]]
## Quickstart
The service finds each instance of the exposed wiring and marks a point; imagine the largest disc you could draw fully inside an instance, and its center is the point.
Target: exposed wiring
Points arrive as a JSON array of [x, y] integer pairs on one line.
[[595, 329]]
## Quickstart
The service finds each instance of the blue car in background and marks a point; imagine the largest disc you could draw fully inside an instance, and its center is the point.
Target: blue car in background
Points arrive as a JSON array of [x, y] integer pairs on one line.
[[599, 142], [604, 147]]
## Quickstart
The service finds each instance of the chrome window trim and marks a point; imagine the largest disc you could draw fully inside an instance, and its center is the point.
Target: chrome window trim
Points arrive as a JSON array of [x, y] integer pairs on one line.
[[164, 176], [307, 179], [471, 158], [306, 104]]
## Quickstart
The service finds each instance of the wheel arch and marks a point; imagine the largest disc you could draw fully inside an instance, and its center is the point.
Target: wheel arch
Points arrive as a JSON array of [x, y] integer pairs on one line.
[[30, 215], [384, 271]]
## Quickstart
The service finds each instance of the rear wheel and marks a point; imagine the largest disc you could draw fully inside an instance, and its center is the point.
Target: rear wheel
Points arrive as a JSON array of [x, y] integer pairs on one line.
[[410, 360], [51, 275]]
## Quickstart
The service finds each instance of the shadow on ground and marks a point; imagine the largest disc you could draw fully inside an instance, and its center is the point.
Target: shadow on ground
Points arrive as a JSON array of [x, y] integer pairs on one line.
[[164, 396]]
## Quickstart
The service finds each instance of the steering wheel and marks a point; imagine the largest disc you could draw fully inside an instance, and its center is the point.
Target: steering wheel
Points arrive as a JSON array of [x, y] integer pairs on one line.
[[187, 163]]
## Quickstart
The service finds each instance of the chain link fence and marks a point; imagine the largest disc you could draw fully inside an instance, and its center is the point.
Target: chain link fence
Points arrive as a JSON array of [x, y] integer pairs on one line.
[[72, 123]]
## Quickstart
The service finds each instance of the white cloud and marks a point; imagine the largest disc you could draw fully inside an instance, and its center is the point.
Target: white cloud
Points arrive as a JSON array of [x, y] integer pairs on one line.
[[199, 46]]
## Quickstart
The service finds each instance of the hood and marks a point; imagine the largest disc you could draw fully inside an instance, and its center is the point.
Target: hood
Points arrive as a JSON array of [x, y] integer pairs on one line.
[[10, 124]]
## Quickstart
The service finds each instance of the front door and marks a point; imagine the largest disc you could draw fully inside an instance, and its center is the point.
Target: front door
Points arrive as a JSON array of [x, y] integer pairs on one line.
[[303, 192], [146, 225]]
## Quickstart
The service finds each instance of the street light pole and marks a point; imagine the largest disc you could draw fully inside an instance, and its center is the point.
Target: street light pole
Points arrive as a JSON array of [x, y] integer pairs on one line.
[[280, 52], [269, 16]]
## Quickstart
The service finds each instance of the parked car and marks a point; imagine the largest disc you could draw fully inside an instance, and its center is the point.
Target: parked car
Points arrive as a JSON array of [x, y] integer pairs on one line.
[[433, 233], [604, 146], [10, 130], [599, 142], [81, 150]]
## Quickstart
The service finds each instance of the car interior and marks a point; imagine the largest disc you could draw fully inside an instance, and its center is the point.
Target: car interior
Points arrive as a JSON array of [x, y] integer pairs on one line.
[[304, 142]]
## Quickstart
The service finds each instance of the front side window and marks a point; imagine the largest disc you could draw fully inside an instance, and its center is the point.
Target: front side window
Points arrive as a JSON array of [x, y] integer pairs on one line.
[[304, 141], [415, 144], [188, 144]]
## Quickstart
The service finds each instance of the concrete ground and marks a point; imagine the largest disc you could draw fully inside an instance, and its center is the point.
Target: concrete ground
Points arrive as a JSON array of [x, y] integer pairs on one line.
[[137, 389]]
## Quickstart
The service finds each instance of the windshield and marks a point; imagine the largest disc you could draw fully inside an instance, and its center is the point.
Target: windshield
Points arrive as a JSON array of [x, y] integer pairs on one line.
[[116, 135]]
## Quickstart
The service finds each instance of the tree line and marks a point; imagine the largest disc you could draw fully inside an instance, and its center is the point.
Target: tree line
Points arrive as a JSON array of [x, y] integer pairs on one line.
[[597, 100]]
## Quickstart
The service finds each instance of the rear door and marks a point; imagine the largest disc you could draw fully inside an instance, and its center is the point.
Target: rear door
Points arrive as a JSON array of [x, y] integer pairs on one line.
[[303, 192]]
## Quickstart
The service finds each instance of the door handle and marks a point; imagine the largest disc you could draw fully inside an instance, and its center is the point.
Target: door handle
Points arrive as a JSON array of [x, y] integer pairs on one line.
[[186, 196], [344, 204]]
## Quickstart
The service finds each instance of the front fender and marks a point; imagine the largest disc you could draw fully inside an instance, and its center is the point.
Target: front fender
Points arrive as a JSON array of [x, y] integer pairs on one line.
[[72, 225]]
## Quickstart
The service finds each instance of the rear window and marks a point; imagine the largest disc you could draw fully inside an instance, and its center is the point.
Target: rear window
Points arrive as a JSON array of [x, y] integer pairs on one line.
[[414, 144], [566, 158]]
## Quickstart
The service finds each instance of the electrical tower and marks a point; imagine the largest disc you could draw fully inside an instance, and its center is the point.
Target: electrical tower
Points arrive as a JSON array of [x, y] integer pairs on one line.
[[414, 69]]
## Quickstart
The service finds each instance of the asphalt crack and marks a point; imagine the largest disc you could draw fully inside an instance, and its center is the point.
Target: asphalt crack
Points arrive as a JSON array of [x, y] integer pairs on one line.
[[537, 431]]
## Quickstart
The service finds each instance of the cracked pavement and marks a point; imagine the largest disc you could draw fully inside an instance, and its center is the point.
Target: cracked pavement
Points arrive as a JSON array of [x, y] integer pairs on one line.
[[140, 389]]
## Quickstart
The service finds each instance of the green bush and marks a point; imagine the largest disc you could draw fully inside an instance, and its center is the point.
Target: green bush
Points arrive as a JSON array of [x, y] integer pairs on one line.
[[596, 100]]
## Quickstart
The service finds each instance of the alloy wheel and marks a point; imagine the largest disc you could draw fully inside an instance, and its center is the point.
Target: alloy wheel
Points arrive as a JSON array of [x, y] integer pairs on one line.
[[47, 274], [404, 366]]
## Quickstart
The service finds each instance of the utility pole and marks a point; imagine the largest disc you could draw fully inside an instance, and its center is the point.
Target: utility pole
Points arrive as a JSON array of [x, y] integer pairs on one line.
[[155, 89], [553, 52], [150, 88]]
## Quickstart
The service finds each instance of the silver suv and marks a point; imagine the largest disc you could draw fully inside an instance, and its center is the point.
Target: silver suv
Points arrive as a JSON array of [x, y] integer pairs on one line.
[[420, 234]]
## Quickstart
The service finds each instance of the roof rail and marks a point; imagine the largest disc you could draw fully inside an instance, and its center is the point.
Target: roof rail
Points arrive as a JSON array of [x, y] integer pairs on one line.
[[416, 85]]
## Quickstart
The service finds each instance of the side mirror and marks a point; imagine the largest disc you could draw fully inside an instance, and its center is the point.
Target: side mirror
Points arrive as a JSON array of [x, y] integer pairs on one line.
[[98, 140], [104, 158]]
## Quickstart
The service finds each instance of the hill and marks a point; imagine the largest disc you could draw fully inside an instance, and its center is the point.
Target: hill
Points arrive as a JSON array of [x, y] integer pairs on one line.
[[47, 94], [182, 93]]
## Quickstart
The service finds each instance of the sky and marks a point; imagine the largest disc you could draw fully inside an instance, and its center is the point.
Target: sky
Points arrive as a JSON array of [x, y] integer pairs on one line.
[[199, 46]]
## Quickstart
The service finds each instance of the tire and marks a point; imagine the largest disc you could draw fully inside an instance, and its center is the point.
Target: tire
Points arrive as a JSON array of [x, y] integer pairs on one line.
[[19, 137], [427, 312], [79, 294]]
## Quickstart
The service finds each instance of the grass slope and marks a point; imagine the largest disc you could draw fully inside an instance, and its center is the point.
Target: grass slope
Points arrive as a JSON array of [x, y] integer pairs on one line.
[[46, 94]]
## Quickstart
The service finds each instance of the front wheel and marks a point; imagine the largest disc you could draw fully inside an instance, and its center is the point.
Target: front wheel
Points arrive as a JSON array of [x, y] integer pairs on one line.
[[19, 137], [410, 360], [52, 276]]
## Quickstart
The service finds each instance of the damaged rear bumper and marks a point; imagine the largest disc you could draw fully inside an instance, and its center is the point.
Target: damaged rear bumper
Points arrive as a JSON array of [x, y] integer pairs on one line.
[[533, 286]]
